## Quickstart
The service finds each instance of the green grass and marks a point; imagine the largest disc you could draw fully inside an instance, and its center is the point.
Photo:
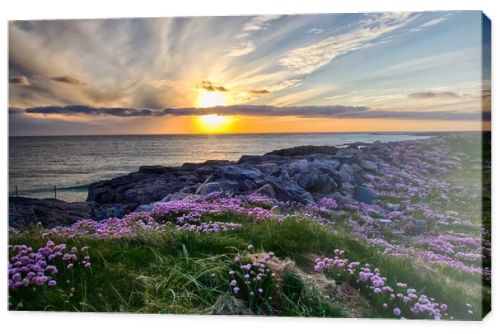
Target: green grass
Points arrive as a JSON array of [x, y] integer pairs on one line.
[[175, 272]]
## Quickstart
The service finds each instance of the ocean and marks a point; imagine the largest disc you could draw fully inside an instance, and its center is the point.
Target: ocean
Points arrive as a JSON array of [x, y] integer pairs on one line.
[[37, 164]]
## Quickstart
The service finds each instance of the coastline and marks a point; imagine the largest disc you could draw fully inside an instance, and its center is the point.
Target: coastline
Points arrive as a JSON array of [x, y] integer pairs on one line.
[[409, 210], [48, 163], [337, 174]]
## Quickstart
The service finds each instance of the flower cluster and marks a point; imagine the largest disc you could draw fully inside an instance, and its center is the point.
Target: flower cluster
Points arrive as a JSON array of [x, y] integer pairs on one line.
[[402, 300], [194, 208], [260, 200], [252, 278], [411, 172], [39, 268], [110, 228], [207, 228]]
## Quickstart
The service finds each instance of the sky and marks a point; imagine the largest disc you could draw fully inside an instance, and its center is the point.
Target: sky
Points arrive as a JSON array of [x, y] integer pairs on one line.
[[391, 71]]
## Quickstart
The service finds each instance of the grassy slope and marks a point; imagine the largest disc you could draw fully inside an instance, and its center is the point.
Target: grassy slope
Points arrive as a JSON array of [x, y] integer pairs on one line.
[[175, 272]]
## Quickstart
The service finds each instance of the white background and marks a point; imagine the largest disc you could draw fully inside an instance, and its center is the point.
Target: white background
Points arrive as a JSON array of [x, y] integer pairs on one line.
[[44, 322]]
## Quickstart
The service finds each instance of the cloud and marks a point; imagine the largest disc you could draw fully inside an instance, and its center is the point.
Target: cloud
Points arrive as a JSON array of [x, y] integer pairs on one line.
[[429, 23], [335, 111], [259, 91], [14, 110], [432, 95], [244, 43], [20, 80], [67, 80], [308, 59], [243, 48], [315, 31], [259, 22], [209, 86]]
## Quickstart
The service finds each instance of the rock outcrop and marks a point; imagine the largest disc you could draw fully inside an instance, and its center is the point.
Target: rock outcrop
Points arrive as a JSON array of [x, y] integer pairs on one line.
[[301, 174], [50, 212]]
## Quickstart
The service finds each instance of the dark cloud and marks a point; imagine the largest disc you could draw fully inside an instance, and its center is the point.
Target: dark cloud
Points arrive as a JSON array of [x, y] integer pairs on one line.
[[14, 110], [337, 111], [86, 110], [259, 91], [431, 95], [23, 25], [20, 80], [67, 80], [209, 86]]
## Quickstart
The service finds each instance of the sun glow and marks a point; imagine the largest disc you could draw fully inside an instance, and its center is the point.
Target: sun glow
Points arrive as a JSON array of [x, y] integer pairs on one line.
[[213, 123], [211, 99]]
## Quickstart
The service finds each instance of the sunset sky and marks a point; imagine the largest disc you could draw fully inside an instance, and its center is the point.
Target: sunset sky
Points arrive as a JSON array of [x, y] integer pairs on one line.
[[249, 74]]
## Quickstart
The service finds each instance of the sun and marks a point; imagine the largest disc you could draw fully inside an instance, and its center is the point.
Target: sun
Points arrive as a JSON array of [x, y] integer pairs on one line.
[[211, 99], [213, 123]]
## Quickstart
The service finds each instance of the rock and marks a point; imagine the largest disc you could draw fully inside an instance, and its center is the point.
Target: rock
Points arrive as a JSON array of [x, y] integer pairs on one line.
[[239, 172], [144, 208], [25, 212], [196, 165], [111, 212], [219, 186], [259, 159], [384, 222], [154, 169], [268, 167], [363, 194], [174, 197], [317, 183], [266, 190], [301, 166], [368, 165], [417, 227], [289, 190], [347, 188], [305, 180], [346, 174], [340, 199], [305, 150], [326, 165], [393, 207]]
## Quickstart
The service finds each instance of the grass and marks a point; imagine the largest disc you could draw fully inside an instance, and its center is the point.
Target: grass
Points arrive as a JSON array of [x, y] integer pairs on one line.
[[188, 273]]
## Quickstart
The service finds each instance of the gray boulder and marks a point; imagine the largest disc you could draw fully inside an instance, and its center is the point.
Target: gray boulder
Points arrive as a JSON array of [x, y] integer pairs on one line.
[[266, 190], [301, 166], [346, 174], [326, 165], [363, 194], [417, 227], [347, 188], [25, 212], [238, 172], [393, 207], [219, 186], [368, 165], [289, 190], [317, 183], [268, 167]]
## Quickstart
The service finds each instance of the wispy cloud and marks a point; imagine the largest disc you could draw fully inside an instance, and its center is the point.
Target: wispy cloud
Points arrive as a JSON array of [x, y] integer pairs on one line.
[[20, 80], [67, 79], [306, 60], [244, 44], [433, 95], [429, 23]]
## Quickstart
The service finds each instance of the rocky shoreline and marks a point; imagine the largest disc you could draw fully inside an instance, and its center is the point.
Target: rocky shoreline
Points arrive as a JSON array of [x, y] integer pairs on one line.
[[303, 174]]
